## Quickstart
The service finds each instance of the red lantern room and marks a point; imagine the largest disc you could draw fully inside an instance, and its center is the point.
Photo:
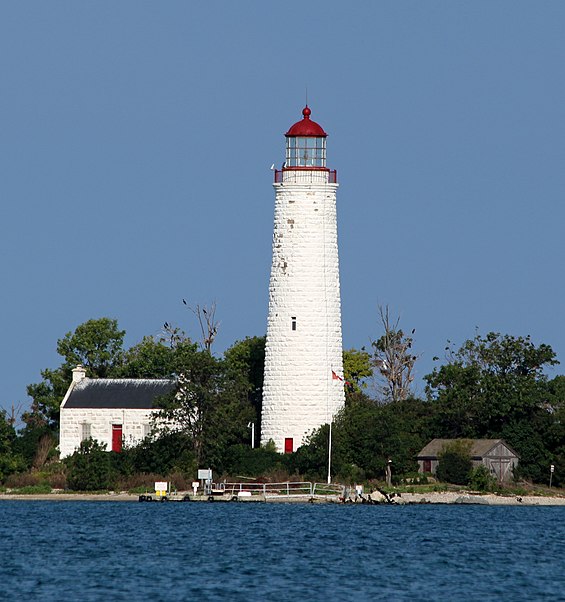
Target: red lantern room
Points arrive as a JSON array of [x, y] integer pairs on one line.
[[306, 149], [306, 144]]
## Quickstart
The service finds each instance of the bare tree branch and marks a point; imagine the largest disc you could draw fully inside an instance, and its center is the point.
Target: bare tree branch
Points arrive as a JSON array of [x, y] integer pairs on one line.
[[208, 324], [394, 359]]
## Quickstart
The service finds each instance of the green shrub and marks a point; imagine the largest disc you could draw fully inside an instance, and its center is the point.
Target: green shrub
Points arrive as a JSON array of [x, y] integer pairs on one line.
[[33, 489], [171, 452], [242, 460], [455, 463], [89, 468], [10, 463], [351, 473], [481, 479]]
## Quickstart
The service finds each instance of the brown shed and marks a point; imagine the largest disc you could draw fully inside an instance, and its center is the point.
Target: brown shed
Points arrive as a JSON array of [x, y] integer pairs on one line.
[[495, 454]]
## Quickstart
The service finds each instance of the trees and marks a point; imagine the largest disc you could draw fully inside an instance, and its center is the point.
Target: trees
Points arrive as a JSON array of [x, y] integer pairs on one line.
[[555, 435], [365, 436], [356, 368], [394, 359], [495, 386], [97, 345], [10, 460], [245, 361], [150, 358], [210, 404]]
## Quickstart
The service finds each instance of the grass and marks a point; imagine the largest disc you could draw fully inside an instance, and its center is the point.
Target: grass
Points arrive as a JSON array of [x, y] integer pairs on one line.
[[32, 490]]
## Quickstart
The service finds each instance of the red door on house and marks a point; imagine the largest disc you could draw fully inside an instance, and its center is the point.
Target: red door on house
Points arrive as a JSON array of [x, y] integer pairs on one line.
[[117, 437], [427, 466], [288, 445]]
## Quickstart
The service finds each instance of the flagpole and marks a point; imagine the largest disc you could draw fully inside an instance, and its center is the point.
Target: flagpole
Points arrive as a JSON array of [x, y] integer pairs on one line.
[[335, 376], [330, 455]]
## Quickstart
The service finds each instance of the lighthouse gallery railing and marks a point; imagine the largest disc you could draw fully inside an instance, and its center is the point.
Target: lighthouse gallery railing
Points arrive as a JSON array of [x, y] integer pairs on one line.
[[306, 175]]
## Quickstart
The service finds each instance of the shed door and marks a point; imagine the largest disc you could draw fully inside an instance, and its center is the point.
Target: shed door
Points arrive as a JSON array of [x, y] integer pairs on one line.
[[288, 445], [427, 466], [117, 437]]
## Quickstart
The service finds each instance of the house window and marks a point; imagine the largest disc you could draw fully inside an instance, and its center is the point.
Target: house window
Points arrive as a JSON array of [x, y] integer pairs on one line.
[[293, 323], [146, 430], [85, 431]]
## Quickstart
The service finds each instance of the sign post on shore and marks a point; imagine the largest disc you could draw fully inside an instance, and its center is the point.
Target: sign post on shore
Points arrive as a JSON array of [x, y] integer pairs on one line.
[[551, 471]]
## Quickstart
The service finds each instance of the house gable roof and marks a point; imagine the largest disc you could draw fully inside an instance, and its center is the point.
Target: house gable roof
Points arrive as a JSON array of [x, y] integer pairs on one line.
[[478, 447], [126, 393]]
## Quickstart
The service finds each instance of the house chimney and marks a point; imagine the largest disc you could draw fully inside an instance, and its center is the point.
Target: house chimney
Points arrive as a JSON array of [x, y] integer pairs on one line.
[[78, 374]]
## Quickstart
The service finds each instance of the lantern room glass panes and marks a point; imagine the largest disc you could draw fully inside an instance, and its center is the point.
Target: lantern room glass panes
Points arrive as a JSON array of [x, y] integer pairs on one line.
[[302, 151]]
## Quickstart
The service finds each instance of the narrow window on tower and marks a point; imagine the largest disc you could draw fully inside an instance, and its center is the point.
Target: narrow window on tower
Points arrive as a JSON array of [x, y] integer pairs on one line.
[[293, 323]]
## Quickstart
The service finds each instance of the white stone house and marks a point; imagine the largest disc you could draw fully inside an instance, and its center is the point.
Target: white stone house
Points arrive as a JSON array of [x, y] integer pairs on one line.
[[112, 411], [495, 454]]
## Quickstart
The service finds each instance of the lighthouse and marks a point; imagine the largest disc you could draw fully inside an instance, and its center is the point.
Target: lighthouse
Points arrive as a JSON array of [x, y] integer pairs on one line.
[[303, 381]]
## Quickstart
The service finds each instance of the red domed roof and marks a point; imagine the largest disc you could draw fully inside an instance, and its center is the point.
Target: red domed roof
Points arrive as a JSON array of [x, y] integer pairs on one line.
[[306, 127]]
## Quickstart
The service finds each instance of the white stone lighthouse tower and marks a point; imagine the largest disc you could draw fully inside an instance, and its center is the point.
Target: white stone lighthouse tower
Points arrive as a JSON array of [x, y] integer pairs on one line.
[[303, 385]]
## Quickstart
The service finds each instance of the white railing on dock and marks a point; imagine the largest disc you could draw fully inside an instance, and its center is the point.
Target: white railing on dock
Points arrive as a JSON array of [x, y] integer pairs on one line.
[[287, 489], [328, 490]]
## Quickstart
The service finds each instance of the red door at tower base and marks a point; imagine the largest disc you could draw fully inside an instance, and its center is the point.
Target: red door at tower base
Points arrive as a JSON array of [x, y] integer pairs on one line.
[[117, 437], [288, 445]]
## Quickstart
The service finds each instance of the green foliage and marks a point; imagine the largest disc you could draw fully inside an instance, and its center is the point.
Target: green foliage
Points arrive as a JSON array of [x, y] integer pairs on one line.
[[245, 362], [350, 474], [210, 405], [10, 460], [481, 479], [90, 467], [170, 452], [356, 368], [415, 478], [242, 460], [455, 463], [30, 444], [311, 460], [494, 386], [364, 437], [487, 380], [148, 359], [33, 490], [97, 345]]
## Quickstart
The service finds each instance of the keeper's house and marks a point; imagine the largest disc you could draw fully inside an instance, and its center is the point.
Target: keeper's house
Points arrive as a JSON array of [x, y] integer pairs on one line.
[[495, 454], [112, 411]]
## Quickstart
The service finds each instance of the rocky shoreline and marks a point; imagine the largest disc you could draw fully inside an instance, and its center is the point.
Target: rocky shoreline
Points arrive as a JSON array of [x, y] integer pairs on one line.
[[462, 497], [490, 499]]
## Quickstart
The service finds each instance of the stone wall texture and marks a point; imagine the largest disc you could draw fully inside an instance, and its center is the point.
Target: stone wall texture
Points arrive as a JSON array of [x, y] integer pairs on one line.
[[134, 426], [304, 340]]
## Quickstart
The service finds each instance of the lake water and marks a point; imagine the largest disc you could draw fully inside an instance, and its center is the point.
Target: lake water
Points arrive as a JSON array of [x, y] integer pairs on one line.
[[239, 551]]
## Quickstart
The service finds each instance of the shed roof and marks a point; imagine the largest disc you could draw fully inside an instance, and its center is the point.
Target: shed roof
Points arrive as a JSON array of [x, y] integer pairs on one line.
[[127, 393], [479, 447]]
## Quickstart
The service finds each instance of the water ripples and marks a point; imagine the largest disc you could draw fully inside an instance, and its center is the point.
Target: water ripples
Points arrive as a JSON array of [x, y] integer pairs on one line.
[[119, 551]]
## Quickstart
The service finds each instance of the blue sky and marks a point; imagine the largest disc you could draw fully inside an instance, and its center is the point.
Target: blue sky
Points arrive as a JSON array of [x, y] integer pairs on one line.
[[137, 139]]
